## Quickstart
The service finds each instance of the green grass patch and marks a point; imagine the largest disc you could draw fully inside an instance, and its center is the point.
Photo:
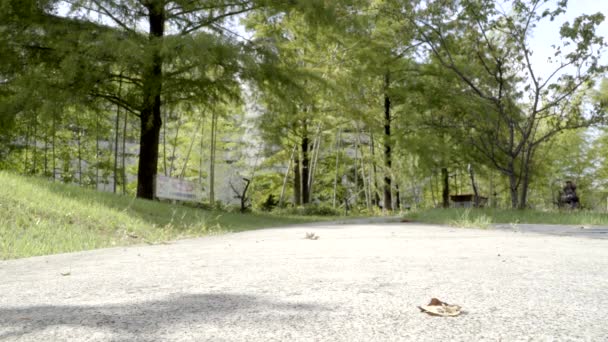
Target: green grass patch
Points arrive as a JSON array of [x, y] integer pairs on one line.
[[39, 217], [484, 217]]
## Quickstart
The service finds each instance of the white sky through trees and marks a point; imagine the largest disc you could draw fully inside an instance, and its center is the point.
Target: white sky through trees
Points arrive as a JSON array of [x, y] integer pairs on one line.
[[545, 35]]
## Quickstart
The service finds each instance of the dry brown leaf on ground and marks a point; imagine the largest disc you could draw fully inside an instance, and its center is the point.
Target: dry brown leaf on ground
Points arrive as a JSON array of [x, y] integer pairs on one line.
[[438, 308], [311, 236]]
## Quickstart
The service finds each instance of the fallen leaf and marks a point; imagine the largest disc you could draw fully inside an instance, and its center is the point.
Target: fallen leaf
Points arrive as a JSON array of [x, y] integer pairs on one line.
[[311, 236], [439, 308], [66, 274]]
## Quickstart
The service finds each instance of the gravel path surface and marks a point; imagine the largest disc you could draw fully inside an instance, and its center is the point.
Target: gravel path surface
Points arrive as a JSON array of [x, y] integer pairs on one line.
[[356, 283]]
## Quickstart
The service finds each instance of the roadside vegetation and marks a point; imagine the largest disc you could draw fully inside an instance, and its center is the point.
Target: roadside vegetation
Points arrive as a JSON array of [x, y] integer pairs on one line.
[[39, 217], [485, 217]]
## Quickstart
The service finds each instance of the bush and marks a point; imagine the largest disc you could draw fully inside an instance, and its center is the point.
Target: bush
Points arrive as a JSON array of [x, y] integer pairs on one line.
[[269, 204]]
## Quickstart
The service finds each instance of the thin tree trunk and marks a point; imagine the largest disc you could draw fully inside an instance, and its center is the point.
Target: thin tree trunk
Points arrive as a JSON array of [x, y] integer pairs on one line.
[[491, 197], [474, 186], [46, 152], [96, 150], [397, 197], [337, 151], [370, 180], [446, 187], [116, 133], [387, 145], [124, 154], [53, 145], [305, 166], [297, 181], [368, 203], [79, 143], [526, 178], [183, 173], [456, 175], [375, 171], [282, 197], [212, 158], [150, 116], [34, 149], [433, 190], [201, 152], [27, 145], [174, 149], [513, 187], [165, 169], [356, 173], [315, 160]]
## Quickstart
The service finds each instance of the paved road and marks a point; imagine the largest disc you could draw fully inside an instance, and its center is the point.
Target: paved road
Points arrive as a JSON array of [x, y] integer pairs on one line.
[[356, 283]]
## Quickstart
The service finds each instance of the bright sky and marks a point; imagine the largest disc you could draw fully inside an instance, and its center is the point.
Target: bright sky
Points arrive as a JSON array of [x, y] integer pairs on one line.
[[548, 33], [544, 35]]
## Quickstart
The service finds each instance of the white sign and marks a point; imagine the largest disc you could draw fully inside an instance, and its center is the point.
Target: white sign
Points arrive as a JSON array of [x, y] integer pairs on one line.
[[177, 189]]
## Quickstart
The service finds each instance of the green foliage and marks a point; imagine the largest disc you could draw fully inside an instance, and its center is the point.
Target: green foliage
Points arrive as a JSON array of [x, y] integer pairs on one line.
[[318, 72]]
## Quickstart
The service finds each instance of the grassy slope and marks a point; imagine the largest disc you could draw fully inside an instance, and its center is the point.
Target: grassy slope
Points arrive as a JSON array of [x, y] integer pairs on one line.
[[485, 217], [39, 217]]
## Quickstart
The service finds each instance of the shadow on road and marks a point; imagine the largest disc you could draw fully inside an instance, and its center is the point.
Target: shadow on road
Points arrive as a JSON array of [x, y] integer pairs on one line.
[[145, 319]]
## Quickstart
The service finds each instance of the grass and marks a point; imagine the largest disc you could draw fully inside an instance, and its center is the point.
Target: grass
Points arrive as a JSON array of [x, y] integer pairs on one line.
[[484, 217], [39, 217]]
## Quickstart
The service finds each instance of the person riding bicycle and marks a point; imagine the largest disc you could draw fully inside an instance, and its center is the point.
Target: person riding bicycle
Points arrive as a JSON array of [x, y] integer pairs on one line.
[[569, 195]]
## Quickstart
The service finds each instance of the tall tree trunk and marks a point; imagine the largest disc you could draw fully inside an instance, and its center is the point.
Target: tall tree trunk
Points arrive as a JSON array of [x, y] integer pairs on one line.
[[356, 173], [297, 181], [54, 132], [433, 189], [212, 158], [474, 186], [368, 203], [305, 167], [370, 179], [201, 151], [388, 201], [27, 146], [174, 149], [513, 187], [124, 155], [523, 203], [337, 151], [185, 166], [282, 197], [150, 116], [116, 135], [375, 170], [397, 197], [165, 168], [315, 160], [46, 152], [446, 187], [79, 143], [97, 124], [492, 197], [34, 149]]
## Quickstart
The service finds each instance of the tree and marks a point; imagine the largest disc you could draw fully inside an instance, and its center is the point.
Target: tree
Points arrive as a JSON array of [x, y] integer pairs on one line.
[[489, 50], [187, 53]]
